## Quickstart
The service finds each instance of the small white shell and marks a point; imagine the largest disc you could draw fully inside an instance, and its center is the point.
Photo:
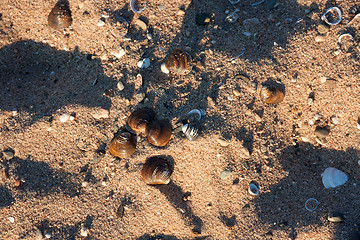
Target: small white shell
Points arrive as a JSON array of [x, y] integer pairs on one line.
[[253, 189], [132, 5], [332, 9], [333, 177], [191, 131], [164, 69]]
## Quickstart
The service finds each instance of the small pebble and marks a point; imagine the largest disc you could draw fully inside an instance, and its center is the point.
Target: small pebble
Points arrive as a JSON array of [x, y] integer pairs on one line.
[[120, 86], [223, 143], [11, 219], [230, 97], [323, 79], [334, 120], [118, 53], [139, 97], [243, 152], [322, 132], [48, 235], [359, 162], [38, 234], [72, 118], [149, 36], [232, 17], [141, 24], [84, 184], [161, 7], [100, 23], [323, 28], [144, 63], [101, 113], [310, 101], [247, 34], [64, 117], [319, 38], [335, 217], [305, 139], [17, 183], [224, 174], [84, 232], [236, 93], [8, 155]]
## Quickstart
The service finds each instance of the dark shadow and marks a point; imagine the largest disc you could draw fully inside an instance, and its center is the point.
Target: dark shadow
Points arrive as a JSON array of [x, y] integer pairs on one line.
[[284, 206], [228, 221], [36, 80], [6, 198], [41, 179], [147, 236]]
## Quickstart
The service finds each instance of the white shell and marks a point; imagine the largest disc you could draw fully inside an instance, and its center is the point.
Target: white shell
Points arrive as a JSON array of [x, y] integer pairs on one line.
[[253, 189], [164, 69], [132, 5], [191, 131], [333, 177], [332, 9]]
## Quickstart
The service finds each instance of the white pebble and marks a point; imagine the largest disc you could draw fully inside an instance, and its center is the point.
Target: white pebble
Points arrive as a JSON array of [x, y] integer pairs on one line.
[[71, 118], [118, 53], [64, 117], [319, 39], [100, 23], [48, 235], [149, 36], [247, 34], [316, 116], [334, 120], [358, 126], [104, 15], [11, 219], [323, 79], [305, 139], [84, 232], [144, 63], [359, 162], [120, 86], [311, 122]]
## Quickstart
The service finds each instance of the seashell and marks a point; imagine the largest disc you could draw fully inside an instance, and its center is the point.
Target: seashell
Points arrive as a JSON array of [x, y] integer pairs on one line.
[[140, 119], [177, 62], [132, 5], [123, 145], [156, 170], [159, 132], [60, 15], [271, 94], [253, 189], [333, 11], [192, 130], [333, 177], [193, 115]]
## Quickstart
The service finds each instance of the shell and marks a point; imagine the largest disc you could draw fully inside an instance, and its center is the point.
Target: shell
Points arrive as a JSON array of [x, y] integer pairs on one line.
[[333, 177], [60, 15], [132, 5], [271, 94], [253, 189], [123, 145], [156, 170], [193, 115], [159, 132], [140, 119], [192, 130], [177, 62]]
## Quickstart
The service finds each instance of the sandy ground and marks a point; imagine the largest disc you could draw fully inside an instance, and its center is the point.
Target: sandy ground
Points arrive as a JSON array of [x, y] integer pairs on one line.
[[69, 188]]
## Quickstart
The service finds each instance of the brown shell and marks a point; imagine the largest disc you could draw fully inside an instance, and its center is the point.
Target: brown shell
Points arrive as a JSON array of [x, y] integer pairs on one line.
[[60, 15], [140, 119], [271, 95], [123, 145], [159, 132], [178, 62], [156, 170]]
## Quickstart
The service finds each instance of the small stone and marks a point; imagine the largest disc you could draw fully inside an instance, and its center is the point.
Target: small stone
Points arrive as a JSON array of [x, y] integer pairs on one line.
[[230, 97], [72, 118], [8, 155], [17, 183], [85, 184], [319, 38], [323, 79], [105, 15], [203, 19], [334, 119], [144, 63], [223, 142], [120, 211], [243, 152], [322, 132], [305, 139], [359, 162], [141, 24], [335, 217], [224, 174], [149, 36], [310, 101], [246, 208], [38, 234], [236, 93], [11, 219], [64, 117], [118, 53], [139, 97], [84, 231], [120, 86], [102, 113], [331, 83], [100, 23], [48, 235], [323, 28]]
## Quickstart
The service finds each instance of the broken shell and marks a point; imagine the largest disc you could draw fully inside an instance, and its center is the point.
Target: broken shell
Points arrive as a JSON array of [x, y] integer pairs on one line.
[[156, 170], [333, 177], [332, 10], [60, 15], [311, 204], [132, 5], [253, 189], [140, 119], [159, 132], [270, 94], [192, 130], [177, 62], [123, 145], [193, 115]]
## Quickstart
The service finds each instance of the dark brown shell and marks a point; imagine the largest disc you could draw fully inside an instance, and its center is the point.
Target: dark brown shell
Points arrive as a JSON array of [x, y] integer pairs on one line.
[[271, 94], [60, 15], [159, 132], [156, 170], [140, 119], [178, 62], [123, 145]]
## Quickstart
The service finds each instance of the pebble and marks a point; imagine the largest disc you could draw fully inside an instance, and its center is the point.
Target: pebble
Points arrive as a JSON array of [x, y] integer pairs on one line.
[[144, 63], [359, 162], [120, 86], [100, 23], [331, 83], [139, 97], [223, 142], [334, 119], [243, 152], [38, 234], [141, 24], [17, 183], [323, 79], [149, 36], [102, 113], [118, 53], [224, 174], [48, 235], [322, 132], [84, 232], [335, 217], [247, 34], [8, 155], [319, 38], [236, 93], [230, 97], [64, 117], [11, 219], [310, 101], [323, 28], [305, 139]]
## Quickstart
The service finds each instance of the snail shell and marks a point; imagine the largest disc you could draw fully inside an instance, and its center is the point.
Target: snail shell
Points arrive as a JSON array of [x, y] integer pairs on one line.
[[159, 132], [156, 170], [123, 145], [60, 15], [270, 94], [177, 62], [140, 119], [192, 130]]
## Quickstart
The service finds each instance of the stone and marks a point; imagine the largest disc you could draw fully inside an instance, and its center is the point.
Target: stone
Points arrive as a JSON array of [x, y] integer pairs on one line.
[[319, 38], [118, 53], [100, 23], [8, 155], [321, 132], [120, 86], [335, 217], [84, 232], [224, 174], [141, 24], [236, 93], [305, 139], [232, 17], [11, 219], [334, 119], [64, 117], [331, 83], [139, 97], [223, 142], [102, 113], [323, 28], [243, 152]]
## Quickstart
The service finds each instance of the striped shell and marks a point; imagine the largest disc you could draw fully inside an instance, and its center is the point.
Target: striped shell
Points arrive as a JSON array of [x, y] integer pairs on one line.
[[177, 62], [123, 145], [156, 170], [60, 15], [271, 95], [140, 119], [191, 130], [159, 132]]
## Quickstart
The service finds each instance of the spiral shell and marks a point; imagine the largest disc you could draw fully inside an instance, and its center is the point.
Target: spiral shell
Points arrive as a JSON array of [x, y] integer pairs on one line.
[[123, 145], [140, 119], [177, 62], [159, 132], [192, 130], [60, 15], [269, 94], [156, 170]]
